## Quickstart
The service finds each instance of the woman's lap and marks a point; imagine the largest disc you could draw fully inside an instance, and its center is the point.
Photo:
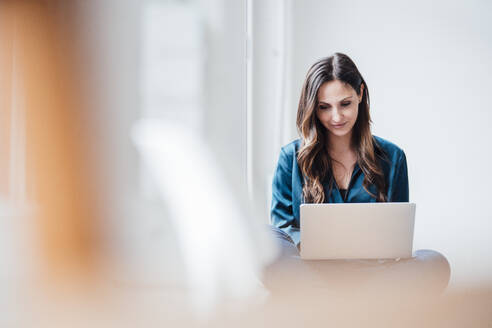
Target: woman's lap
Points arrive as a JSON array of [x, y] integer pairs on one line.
[[427, 271]]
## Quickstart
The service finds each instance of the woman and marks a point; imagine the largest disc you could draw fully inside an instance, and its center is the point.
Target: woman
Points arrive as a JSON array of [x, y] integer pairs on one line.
[[337, 159]]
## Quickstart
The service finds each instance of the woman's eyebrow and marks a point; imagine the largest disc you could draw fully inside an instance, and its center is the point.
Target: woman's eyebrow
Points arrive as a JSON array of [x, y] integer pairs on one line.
[[322, 102]]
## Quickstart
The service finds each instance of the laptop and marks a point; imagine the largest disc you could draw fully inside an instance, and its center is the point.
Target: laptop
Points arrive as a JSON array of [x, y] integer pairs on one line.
[[357, 231]]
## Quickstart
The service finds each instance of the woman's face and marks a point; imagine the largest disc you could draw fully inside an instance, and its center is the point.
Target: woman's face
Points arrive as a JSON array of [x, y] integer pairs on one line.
[[338, 105]]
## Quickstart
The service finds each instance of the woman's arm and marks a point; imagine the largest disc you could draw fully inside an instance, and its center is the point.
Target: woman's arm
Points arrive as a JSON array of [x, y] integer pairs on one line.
[[398, 187], [282, 215]]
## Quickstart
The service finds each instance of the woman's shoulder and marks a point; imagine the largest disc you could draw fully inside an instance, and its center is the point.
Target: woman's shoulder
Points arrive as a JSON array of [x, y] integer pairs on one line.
[[288, 153], [391, 150], [292, 147]]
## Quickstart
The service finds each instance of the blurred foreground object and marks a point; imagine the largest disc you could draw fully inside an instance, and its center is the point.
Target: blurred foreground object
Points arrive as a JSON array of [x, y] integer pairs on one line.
[[223, 249], [40, 87]]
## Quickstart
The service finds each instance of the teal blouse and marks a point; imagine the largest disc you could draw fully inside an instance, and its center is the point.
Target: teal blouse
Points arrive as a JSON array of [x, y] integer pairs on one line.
[[288, 181]]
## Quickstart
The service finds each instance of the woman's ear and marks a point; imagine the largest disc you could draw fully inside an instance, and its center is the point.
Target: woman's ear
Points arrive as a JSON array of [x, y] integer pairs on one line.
[[361, 92]]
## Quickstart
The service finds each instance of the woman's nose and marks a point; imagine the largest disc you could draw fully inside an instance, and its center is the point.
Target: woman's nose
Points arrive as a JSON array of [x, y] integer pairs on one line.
[[336, 117]]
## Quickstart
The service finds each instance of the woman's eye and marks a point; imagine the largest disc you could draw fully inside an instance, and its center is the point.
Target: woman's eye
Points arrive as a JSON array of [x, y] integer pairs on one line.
[[323, 107], [345, 104]]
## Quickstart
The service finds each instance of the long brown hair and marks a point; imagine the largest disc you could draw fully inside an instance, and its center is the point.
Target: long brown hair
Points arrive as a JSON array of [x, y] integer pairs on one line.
[[313, 158]]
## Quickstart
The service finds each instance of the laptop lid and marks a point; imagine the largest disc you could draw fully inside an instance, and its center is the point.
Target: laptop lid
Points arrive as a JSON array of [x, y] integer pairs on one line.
[[357, 230]]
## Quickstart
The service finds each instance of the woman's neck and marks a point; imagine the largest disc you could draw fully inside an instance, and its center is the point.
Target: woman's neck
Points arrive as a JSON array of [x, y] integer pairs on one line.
[[340, 144]]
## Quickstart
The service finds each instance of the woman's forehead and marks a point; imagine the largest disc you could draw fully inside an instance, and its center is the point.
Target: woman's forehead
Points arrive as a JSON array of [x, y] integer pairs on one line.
[[335, 91]]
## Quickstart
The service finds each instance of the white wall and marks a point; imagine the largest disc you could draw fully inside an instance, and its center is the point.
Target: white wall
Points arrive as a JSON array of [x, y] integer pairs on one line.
[[428, 68], [225, 86], [269, 40]]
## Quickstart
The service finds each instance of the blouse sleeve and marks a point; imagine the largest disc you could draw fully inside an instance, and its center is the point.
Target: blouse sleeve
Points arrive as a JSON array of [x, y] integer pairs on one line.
[[398, 191], [282, 215]]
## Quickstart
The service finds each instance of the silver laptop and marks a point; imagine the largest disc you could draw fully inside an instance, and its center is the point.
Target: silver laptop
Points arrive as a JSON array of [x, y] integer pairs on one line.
[[357, 230]]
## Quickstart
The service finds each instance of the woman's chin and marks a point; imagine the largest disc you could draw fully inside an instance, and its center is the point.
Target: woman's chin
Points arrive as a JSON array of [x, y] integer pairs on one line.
[[339, 133]]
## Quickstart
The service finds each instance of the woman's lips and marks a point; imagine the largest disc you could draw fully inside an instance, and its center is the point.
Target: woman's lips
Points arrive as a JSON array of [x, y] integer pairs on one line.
[[338, 126]]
